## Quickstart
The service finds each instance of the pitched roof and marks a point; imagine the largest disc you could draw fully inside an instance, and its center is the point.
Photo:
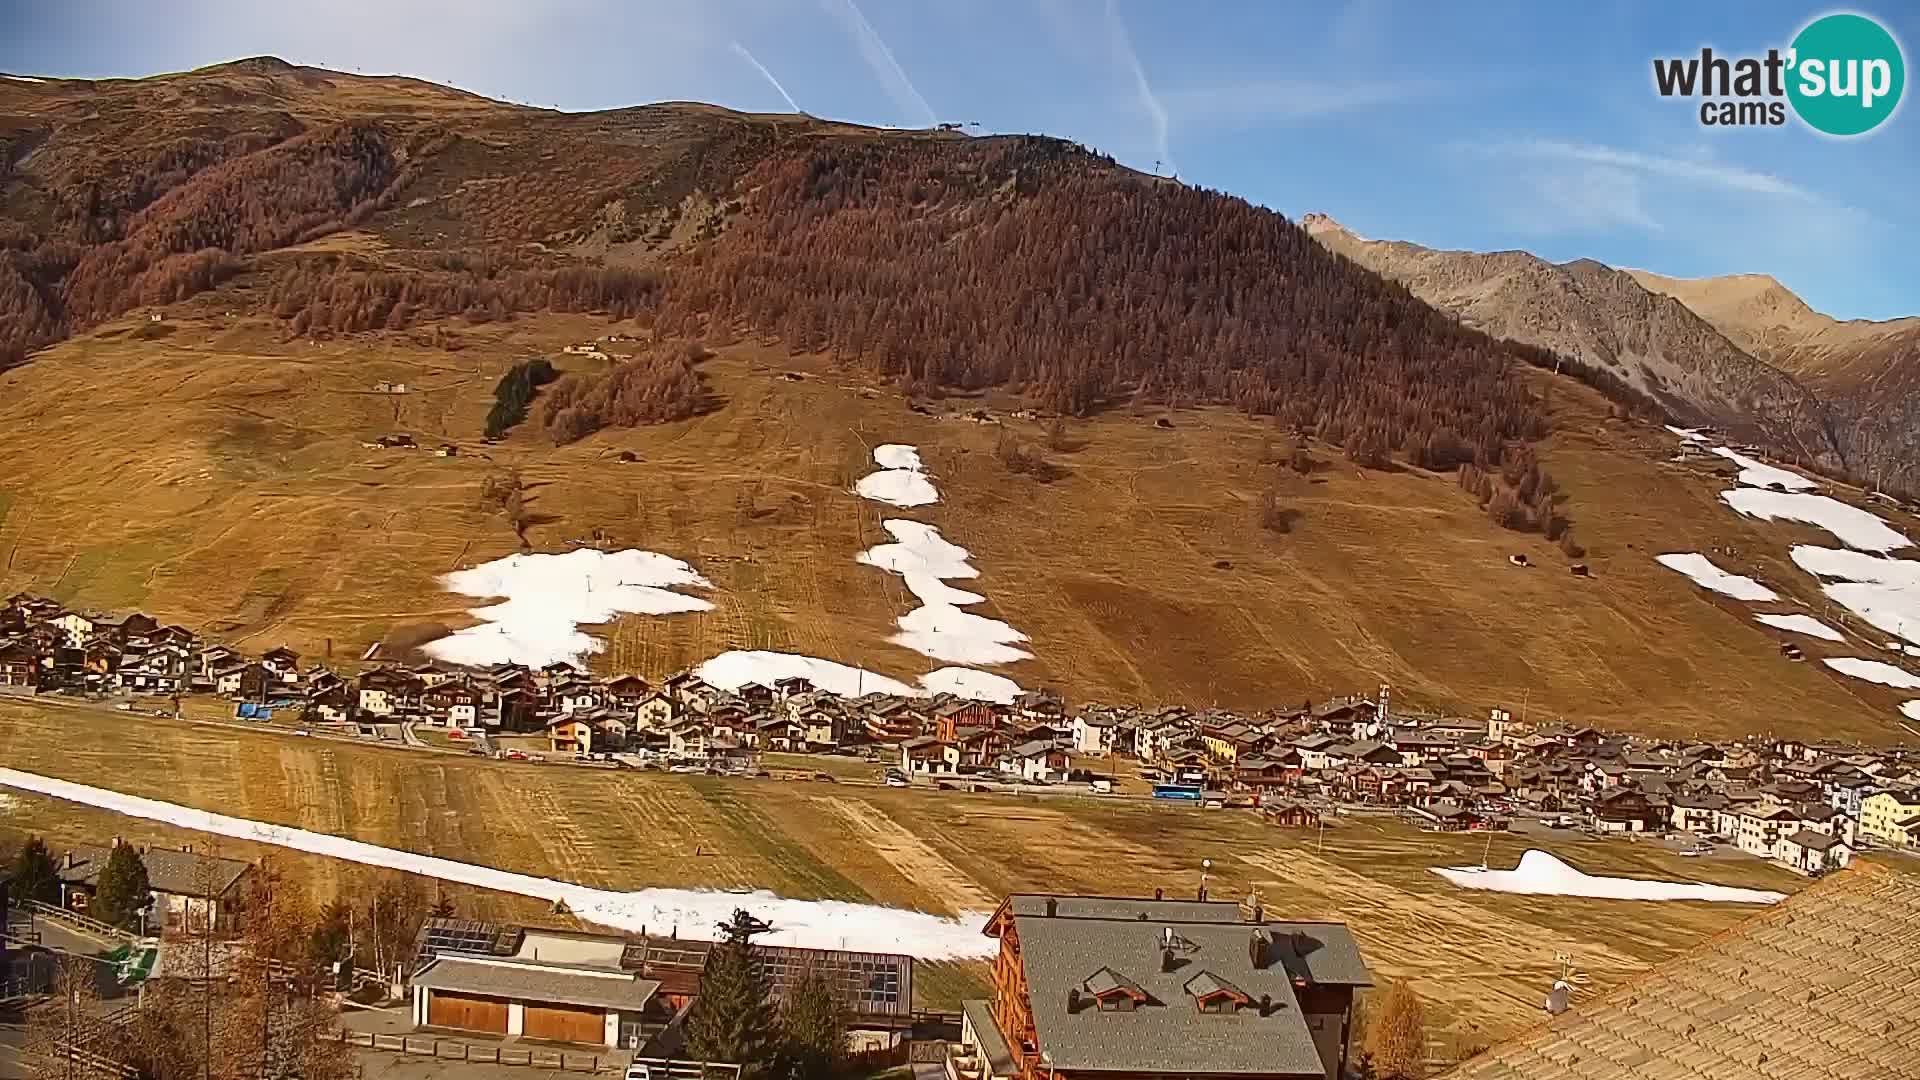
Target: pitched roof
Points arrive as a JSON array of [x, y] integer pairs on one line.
[[1813, 841], [1165, 1033], [1107, 981], [1814, 987], [536, 982], [169, 870]]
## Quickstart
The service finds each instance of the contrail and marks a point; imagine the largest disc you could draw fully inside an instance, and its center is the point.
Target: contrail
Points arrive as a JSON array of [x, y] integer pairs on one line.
[[762, 69], [1123, 51], [880, 58]]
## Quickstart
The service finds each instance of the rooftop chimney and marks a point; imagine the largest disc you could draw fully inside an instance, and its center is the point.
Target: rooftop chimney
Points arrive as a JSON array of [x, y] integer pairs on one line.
[[116, 841], [1166, 959], [1159, 894], [1266, 1004], [67, 862], [1073, 1000], [1259, 950], [1053, 907]]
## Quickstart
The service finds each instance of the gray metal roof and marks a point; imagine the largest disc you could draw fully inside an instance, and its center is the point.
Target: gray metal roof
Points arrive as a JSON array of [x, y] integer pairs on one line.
[[1168, 1032], [993, 1045], [536, 982], [169, 870]]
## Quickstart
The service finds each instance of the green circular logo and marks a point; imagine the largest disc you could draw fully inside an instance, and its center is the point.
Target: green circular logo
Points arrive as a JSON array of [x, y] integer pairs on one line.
[[1846, 74]]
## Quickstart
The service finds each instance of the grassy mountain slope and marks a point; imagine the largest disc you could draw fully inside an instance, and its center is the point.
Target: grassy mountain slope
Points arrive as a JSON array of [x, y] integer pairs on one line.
[[1604, 318], [312, 233], [1868, 372]]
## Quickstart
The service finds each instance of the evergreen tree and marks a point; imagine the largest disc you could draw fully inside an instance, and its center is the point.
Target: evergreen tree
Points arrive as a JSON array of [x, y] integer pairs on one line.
[[732, 1020], [34, 874], [123, 892], [813, 1026]]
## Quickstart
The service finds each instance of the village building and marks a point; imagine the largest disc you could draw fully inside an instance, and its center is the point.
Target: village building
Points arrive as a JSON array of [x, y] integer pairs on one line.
[[1626, 809], [925, 755], [1093, 987], [191, 890], [1884, 817], [1036, 762], [1813, 853], [615, 991], [1094, 732]]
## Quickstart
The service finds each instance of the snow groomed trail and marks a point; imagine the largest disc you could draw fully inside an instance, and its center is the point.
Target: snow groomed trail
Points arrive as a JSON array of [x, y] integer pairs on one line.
[[819, 924]]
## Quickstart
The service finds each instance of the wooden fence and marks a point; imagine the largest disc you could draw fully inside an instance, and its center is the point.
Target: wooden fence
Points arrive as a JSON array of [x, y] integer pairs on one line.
[[445, 1049], [76, 920]]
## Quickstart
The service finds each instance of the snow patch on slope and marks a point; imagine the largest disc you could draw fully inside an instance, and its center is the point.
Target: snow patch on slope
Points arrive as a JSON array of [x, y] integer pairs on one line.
[[1760, 474], [1541, 874], [968, 683], [1853, 526], [817, 924], [548, 597], [902, 479], [1874, 671], [733, 670], [1884, 592], [938, 628], [1708, 576], [1801, 624]]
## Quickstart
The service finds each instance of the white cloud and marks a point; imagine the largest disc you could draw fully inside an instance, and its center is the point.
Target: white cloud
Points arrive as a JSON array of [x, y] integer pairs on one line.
[[1699, 171], [1594, 199], [873, 48]]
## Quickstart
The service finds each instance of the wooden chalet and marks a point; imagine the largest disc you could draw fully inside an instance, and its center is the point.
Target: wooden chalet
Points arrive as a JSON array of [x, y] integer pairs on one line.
[[1292, 816]]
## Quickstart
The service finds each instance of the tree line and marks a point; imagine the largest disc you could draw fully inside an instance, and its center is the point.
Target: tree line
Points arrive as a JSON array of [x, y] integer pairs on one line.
[[1013, 263], [184, 225], [659, 385], [340, 295], [514, 393]]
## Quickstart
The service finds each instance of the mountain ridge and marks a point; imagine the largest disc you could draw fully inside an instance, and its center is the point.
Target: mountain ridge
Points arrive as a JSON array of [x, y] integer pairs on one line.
[[1595, 315]]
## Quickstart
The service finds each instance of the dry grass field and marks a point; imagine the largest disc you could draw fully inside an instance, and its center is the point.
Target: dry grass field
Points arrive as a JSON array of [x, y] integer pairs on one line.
[[212, 474], [1483, 959]]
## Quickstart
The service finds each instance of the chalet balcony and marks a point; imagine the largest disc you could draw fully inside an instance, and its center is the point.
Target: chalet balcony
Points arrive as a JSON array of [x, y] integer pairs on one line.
[[963, 1063]]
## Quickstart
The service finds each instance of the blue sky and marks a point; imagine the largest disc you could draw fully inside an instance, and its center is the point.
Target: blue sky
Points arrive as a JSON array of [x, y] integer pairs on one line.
[[1483, 126]]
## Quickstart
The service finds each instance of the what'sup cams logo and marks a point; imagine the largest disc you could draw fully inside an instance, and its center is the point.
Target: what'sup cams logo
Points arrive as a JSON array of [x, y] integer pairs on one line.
[[1842, 75]]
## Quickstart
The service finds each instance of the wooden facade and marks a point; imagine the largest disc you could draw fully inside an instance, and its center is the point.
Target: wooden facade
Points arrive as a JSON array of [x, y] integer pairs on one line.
[[1010, 1007], [464, 1012]]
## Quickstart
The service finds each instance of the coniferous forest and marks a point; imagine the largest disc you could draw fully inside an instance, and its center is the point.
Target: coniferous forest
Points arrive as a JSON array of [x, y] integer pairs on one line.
[[1020, 262]]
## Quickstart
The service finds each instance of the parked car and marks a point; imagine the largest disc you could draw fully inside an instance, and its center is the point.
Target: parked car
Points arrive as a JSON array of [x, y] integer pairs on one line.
[[637, 1071], [895, 778]]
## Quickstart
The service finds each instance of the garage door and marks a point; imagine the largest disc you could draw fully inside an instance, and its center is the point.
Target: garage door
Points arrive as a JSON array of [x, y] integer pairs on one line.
[[467, 1013], [566, 1023]]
